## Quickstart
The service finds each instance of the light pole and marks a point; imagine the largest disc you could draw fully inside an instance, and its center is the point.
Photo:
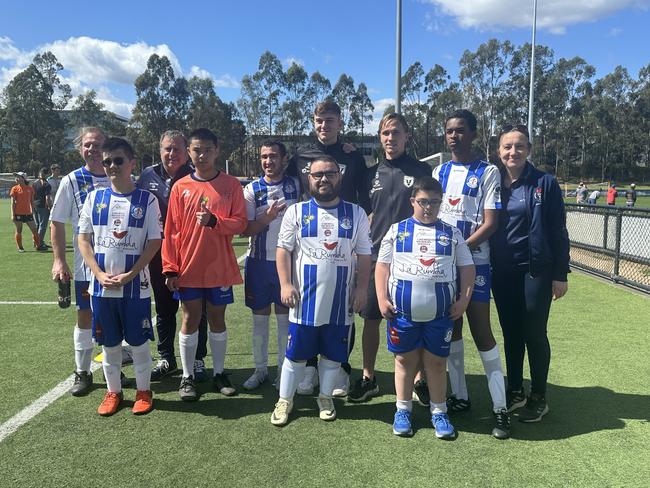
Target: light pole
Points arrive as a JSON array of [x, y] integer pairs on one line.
[[531, 95], [398, 68]]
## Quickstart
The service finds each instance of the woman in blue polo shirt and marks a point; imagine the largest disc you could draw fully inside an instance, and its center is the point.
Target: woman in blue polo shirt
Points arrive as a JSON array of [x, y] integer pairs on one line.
[[530, 261]]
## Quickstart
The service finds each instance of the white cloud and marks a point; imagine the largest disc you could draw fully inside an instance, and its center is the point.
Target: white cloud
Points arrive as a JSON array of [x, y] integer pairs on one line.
[[553, 15], [224, 81], [291, 60], [615, 31], [380, 105]]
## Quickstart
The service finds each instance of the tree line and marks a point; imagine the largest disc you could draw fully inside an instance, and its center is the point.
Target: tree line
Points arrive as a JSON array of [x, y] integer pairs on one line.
[[585, 127]]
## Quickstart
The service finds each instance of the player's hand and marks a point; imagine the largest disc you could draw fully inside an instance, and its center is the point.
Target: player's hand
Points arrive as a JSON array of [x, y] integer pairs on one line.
[[172, 283], [387, 309], [348, 147], [274, 209], [108, 281], [559, 289], [458, 308], [123, 278], [289, 296], [61, 271], [203, 215], [359, 300]]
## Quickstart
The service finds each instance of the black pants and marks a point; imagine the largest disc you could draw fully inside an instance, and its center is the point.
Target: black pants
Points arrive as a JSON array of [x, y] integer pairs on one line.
[[523, 303], [166, 308]]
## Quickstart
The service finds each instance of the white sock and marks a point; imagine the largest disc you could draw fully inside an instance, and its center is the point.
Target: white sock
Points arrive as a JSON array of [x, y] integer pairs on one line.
[[261, 341], [291, 373], [112, 364], [283, 334], [187, 344], [456, 369], [404, 405], [437, 407], [218, 344], [142, 366], [328, 373], [492, 366], [83, 348]]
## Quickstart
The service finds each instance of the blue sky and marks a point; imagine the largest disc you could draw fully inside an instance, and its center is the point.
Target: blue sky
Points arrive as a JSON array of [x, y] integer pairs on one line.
[[106, 47]]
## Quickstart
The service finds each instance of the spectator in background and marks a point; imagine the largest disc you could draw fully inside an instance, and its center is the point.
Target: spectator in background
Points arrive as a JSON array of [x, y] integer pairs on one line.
[[611, 195], [54, 179], [630, 196], [21, 211], [41, 205], [581, 193], [593, 196]]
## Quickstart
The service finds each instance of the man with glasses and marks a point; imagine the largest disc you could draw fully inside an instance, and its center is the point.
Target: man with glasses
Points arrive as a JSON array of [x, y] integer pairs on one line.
[[320, 243], [386, 196]]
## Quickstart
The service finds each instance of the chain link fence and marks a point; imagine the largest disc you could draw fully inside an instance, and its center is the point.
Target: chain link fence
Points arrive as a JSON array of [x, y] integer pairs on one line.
[[612, 242]]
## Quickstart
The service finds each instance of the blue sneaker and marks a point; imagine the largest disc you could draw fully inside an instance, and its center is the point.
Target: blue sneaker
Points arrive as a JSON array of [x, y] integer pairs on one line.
[[402, 423], [444, 429]]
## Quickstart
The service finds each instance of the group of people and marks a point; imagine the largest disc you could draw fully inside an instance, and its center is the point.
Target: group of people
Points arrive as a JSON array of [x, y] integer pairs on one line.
[[31, 204], [583, 195], [329, 238]]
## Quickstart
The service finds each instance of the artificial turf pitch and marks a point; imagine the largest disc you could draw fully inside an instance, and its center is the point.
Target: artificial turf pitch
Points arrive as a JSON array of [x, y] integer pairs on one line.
[[596, 433]]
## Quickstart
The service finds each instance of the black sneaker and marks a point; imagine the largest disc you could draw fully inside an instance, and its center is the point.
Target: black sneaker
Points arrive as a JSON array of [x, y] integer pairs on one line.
[[82, 383], [515, 399], [364, 389], [222, 384], [421, 393], [187, 390], [536, 407], [502, 424], [456, 405], [162, 369]]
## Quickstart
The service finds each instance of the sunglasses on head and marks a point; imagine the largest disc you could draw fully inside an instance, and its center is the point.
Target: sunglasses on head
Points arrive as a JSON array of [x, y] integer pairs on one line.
[[515, 128], [119, 161]]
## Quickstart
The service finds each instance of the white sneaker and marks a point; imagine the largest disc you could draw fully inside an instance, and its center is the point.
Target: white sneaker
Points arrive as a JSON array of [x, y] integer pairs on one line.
[[326, 407], [342, 384], [258, 377], [308, 382], [280, 415]]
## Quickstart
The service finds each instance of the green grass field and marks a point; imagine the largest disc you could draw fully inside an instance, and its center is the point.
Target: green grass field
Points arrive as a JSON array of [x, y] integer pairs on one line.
[[596, 433]]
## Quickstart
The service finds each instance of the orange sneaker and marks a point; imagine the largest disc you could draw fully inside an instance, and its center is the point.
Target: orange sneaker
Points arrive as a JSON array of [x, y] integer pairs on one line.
[[110, 404], [143, 402]]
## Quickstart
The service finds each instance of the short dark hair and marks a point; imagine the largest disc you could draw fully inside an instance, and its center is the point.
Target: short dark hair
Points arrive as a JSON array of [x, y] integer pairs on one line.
[[115, 143], [327, 106], [426, 184], [274, 142], [326, 158], [44, 170], [204, 134], [466, 115]]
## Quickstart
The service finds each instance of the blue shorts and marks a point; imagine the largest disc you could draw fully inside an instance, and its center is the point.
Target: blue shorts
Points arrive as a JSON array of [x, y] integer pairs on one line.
[[216, 296], [261, 284], [115, 319], [482, 284], [331, 341], [81, 295], [404, 335]]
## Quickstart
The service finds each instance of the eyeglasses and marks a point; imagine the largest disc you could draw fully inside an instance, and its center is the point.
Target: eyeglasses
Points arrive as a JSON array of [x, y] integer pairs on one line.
[[424, 203], [515, 128], [318, 175], [119, 161]]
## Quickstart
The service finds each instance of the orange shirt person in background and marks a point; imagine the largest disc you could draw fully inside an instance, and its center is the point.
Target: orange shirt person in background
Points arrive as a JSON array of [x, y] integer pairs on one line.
[[206, 209], [21, 211]]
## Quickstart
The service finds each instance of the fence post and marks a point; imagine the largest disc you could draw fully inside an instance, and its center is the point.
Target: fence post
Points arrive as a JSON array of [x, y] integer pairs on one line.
[[605, 230], [617, 244]]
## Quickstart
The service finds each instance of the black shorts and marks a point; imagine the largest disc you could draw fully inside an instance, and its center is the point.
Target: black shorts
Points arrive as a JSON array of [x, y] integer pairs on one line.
[[372, 312], [24, 218]]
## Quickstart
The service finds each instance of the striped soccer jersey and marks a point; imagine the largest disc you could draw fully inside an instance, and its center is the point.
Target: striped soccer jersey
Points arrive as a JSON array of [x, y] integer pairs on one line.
[[69, 200], [424, 260], [468, 189], [121, 225], [323, 242], [259, 195]]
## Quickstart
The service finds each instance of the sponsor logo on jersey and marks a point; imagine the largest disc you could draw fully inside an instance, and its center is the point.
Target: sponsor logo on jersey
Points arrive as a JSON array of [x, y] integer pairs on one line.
[[453, 201], [403, 235], [480, 280], [117, 223], [137, 212], [394, 335], [376, 185], [153, 186], [430, 270], [472, 182], [330, 245], [346, 223], [428, 262], [538, 195], [307, 218], [99, 207], [328, 233], [342, 168], [443, 239], [408, 181], [225, 288], [329, 254], [305, 170], [423, 249], [448, 335], [120, 235], [109, 242], [144, 284]]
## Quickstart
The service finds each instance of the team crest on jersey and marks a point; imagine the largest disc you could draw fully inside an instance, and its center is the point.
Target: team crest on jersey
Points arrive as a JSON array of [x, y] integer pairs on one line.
[[346, 223], [480, 280], [137, 212], [408, 181], [443, 239], [448, 335], [472, 182], [144, 284], [99, 207], [403, 235], [342, 168], [538, 195], [146, 324]]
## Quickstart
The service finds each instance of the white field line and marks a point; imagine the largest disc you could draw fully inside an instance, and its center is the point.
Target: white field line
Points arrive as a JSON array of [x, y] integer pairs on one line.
[[28, 413], [37, 406]]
